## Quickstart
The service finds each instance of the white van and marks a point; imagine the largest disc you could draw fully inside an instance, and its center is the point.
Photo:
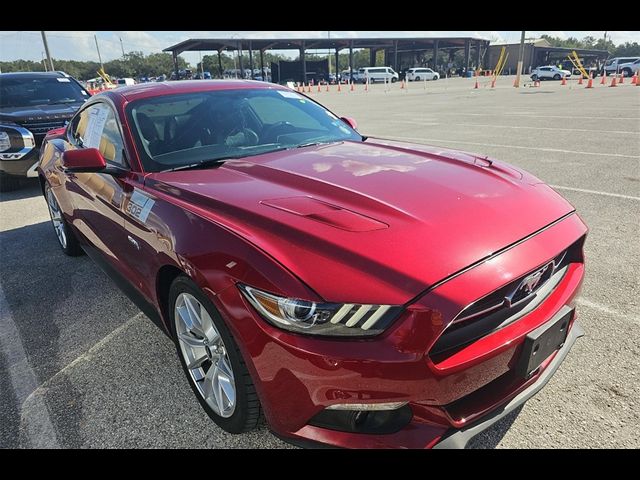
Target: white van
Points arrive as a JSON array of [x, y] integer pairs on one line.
[[417, 74], [125, 82], [377, 74]]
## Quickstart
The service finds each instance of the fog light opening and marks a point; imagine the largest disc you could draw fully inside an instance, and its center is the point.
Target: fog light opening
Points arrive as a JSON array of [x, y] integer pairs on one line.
[[381, 418]]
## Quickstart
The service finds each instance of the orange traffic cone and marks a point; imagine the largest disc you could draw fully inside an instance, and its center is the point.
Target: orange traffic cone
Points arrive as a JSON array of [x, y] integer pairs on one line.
[[603, 81], [564, 81], [327, 87], [476, 85], [590, 82], [580, 80], [309, 87], [339, 89], [634, 79], [613, 81], [493, 82], [515, 83], [621, 81], [366, 85], [402, 85], [352, 85]]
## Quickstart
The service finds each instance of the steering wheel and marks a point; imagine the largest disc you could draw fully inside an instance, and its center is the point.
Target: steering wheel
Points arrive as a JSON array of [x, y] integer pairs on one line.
[[271, 131]]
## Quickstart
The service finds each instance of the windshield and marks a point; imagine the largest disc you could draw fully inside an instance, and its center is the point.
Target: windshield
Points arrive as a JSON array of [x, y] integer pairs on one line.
[[173, 131], [34, 91]]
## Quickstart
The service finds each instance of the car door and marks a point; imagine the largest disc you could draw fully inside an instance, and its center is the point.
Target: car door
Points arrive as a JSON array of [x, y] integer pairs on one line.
[[97, 198]]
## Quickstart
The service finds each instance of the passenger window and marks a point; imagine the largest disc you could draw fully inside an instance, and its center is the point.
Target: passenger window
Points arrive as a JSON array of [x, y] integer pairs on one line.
[[97, 127]]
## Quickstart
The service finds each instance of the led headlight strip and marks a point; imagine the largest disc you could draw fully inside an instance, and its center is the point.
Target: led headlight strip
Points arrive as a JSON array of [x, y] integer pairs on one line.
[[334, 319]]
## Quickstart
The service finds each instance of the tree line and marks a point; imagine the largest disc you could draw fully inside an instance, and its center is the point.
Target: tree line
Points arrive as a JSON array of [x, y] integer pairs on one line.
[[137, 64]]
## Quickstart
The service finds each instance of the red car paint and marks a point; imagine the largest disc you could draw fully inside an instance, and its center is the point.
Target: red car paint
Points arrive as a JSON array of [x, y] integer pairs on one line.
[[377, 222]]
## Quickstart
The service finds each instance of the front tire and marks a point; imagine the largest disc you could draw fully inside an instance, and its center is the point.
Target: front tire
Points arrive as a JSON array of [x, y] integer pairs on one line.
[[211, 359], [394, 79], [534, 77], [66, 238], [557, 76]]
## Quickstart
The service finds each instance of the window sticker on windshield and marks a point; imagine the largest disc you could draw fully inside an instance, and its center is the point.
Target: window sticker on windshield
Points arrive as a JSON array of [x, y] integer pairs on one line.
[[95, 126], [287, 94], [139, 205], [63, 79], [84, 93]]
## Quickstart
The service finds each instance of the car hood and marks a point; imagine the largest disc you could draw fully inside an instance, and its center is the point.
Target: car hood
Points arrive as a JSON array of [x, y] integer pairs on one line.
[[371, 222], [40, 112]]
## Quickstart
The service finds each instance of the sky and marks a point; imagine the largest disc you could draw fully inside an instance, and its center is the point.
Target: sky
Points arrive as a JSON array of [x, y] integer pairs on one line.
[[70, 45]]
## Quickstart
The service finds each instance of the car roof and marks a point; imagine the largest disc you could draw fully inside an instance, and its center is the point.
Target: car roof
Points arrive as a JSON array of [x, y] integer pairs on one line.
[[31, 75], [156, 89]]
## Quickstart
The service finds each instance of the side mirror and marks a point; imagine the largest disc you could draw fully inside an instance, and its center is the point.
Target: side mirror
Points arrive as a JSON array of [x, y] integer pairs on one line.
[[84, 160], [350, 121]]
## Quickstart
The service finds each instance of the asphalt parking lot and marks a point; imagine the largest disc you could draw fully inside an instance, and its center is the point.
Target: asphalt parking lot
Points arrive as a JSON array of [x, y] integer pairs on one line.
[[81, 367]]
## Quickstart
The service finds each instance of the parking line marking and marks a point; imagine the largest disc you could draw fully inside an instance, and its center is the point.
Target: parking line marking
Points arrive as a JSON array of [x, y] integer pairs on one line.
[[625, 132], [38, 426], [595, 192], [608, 310], [541, 116], [541, 149], [86, 356]]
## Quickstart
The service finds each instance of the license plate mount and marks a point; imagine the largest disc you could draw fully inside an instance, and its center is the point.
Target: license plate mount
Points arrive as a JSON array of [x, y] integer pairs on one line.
[[543, 341]]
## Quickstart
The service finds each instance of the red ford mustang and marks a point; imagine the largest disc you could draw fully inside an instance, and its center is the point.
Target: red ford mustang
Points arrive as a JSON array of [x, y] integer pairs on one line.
[[354, 291]]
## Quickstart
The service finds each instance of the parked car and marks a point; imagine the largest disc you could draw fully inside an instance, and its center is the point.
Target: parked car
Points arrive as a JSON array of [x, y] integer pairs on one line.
[[377, 74], [614, 65], [123, 82], [628, 69], [345, 75], [550, 72], [418, 74], [31, 104], [343, 286]]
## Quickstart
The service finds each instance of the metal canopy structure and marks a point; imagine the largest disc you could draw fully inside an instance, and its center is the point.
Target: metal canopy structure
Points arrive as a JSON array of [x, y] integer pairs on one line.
[[394, 48]]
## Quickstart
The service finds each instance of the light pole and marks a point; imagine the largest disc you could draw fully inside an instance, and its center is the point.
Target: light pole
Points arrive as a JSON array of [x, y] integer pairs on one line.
[[520, 61], [329, 53]]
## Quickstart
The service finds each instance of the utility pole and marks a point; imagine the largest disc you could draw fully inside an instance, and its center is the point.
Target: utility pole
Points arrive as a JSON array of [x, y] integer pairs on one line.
[[121, 46], [98, 49], [46, 49], [520, 61]]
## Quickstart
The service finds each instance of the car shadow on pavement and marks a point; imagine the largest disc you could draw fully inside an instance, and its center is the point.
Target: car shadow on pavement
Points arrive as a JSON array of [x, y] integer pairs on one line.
[[30, 188], [492, 437]]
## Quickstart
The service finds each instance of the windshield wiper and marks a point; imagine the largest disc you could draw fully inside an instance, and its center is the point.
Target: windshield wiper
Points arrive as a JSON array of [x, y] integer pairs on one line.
[[63, 102], [205, 163], [313, 144]]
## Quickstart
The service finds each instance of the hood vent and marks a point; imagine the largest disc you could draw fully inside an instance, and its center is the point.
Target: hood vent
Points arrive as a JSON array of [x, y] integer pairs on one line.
[[326, 213]]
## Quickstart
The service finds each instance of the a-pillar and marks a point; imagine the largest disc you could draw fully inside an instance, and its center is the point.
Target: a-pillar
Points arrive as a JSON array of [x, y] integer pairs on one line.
[[220, 63], [251, 60], [240, 60], [337, 63]]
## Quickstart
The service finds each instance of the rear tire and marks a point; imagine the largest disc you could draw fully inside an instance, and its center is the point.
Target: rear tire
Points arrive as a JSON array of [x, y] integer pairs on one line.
[[394, 79], [534, 77], [417, 79], [557, 76], [246, 412]]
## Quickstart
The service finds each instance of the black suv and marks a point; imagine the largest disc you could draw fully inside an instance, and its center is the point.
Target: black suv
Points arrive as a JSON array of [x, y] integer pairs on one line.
[[31, 104]]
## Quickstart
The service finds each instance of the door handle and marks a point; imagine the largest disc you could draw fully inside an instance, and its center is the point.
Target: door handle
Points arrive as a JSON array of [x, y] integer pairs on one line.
[[133, 242]]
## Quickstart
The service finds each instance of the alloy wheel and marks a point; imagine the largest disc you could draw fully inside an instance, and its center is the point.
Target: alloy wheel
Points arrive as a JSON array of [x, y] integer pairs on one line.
[[205, 355], [56, 218]]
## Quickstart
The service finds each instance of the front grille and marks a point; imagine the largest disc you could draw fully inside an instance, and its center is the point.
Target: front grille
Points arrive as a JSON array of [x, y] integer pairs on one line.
[[39, 128], [505, 305]]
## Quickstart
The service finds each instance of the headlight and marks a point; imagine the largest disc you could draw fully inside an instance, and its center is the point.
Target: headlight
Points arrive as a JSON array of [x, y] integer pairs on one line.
[[5, 141], [336, 319]]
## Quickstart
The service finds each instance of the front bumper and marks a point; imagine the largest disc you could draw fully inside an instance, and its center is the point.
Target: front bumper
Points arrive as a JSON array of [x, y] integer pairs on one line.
[[459, 438], [298, 377], [22, 167]]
